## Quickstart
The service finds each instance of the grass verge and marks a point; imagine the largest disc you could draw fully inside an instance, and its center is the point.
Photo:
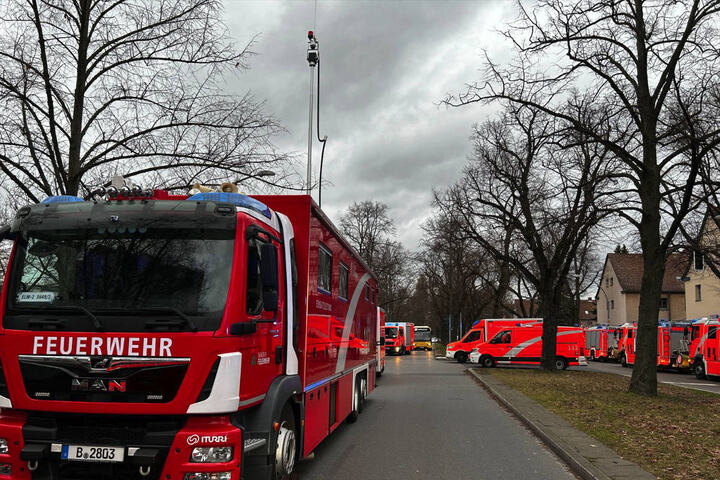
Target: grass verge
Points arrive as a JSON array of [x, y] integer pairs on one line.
[[675, 435]]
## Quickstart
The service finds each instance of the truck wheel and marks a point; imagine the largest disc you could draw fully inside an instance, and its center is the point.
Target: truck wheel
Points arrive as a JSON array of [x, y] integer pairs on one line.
[[487, 361], [592, 355], [623, 361], [461, 357], [285, 446], [560, 363], [357, 403], [699, 369]]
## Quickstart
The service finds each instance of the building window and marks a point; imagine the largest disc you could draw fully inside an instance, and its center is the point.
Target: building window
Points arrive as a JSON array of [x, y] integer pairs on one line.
[[343, 290], [663, 304], [698, 293], [607, 282], [612, 304], [324, 269], [699, 261], [611, 281]]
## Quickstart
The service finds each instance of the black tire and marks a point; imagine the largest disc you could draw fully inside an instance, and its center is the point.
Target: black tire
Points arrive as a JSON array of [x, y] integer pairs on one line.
[[561, 363], [592, 355], [402, 352], [699, 369], [461, 357], [486, 361], [623, 361], [286, 446]]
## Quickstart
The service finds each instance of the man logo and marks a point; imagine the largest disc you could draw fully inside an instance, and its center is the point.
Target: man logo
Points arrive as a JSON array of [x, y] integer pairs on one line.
[[193, 439]]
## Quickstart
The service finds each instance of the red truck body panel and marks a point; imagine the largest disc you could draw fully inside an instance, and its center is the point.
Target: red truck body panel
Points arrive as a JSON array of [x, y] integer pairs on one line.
[[482, 331]]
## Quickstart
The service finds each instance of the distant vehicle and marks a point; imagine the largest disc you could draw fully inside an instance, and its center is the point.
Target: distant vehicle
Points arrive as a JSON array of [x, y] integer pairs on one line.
[[601, 342], [394, 340], [673, 349], [408, 335], [522, 345], [481, 332], [381, 342], [704, 348], [423, 338]]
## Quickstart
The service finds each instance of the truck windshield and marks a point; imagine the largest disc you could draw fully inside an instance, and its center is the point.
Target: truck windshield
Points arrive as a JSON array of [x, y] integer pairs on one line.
[[141, 272], [391, 332]]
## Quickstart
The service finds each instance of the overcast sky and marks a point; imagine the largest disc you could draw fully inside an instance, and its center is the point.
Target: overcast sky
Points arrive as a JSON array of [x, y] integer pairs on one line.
[[385, 65]]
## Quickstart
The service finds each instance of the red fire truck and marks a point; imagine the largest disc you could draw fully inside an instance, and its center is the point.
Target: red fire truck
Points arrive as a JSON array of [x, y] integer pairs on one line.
[[406, 334], [481, 332], [704, 347], [601, 342], [672, 350], [522, 345], [151, 336], [380, 369]]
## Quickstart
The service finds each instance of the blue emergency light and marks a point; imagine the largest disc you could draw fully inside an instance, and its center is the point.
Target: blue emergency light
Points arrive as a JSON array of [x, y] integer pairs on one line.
[[237, 199], [62, 199]]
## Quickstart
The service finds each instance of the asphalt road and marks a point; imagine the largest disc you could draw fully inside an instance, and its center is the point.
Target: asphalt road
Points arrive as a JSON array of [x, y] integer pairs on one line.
[[429, 420], [680, 379]]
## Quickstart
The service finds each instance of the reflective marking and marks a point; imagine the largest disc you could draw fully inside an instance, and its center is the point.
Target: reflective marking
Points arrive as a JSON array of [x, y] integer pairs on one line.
[[349, 318]]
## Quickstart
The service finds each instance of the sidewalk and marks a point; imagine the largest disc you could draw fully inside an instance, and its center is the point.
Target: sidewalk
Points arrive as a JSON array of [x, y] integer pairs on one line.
[[587, 457]]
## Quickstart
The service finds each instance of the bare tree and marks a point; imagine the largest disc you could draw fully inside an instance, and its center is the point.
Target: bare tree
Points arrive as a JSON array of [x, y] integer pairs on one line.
[[652, 68], [368, 226], [530, 175], [90, 89]]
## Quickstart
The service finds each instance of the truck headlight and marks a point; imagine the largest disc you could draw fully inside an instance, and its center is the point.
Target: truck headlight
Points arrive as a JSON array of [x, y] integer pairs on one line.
[[211, 454], [208, 476], [4, 445]]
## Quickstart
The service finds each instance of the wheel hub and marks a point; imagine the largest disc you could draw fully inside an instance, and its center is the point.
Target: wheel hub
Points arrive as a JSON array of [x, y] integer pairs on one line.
[[285, 452]]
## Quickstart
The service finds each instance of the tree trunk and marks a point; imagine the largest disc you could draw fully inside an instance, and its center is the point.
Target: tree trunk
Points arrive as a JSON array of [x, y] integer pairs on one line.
[[547, 311], [72, 186]]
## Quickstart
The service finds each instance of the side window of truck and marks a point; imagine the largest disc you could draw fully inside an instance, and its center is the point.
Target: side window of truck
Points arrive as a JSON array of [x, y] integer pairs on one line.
[[324, 269], [472, 337], [253, 296], [712, 332]]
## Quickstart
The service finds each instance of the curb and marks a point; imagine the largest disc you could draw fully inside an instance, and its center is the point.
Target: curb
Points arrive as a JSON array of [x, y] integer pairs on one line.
[[600, 463]]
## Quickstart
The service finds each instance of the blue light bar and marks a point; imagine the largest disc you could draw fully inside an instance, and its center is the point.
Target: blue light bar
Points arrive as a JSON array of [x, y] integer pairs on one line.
[[63, 199], [237, 199]]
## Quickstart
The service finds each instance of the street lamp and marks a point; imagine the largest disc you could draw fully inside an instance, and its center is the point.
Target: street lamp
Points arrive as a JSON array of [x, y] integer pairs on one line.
[[261, 173]]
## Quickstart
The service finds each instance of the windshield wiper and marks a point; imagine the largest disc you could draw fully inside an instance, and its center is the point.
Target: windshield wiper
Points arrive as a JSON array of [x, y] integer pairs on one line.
[[162, 323], [75, 308]]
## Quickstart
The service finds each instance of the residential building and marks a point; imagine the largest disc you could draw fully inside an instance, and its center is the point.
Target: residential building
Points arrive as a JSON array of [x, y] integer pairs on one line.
[[702, 284], [618, 295]]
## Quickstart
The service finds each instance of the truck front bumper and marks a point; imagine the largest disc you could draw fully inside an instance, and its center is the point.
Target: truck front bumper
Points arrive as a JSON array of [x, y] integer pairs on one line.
[[153, 449]]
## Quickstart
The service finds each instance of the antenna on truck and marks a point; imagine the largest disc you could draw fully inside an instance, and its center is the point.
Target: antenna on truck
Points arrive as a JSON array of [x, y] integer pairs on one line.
[[313, 58]]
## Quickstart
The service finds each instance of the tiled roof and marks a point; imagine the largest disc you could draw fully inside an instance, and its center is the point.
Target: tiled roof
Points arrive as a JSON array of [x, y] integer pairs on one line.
[[628, 268]]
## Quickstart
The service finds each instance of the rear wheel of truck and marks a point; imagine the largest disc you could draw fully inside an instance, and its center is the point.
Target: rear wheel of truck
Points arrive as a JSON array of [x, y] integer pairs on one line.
[[285, 445], [486, 361], [561, 363], [699, 369], [592, 355], [461, 357]]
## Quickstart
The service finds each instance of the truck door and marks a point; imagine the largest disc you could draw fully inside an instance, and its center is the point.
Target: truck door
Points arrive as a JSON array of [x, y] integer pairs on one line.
[[267, 359], [712, 356]]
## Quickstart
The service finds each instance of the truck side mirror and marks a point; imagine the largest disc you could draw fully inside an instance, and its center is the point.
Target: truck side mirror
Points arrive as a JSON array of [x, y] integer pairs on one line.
[[269, 272]]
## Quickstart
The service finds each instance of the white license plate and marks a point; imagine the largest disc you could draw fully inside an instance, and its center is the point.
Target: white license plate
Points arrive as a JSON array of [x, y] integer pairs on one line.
[[90, 453]]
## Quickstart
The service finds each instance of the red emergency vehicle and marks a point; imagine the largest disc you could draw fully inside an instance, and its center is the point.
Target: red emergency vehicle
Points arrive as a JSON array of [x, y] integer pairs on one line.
[[396, 339], [482, 331], [407, 334], [150, 336], [601, 342], [672, 350], [522, 345], [380, 369], [704, 347]]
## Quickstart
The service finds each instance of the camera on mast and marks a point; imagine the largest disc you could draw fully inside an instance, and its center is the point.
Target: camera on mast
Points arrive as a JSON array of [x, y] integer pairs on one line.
[[313, 54]]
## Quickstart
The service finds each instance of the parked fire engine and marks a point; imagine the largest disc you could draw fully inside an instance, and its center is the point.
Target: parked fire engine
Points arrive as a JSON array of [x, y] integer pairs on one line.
[[672, 348], [522, 345], [152, 336], [704, 347], [381, 342], [601, 342], [406, 335], [481, 332]]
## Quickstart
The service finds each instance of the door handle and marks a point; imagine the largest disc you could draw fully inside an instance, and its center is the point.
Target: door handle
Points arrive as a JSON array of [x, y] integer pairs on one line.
[[278, 354]]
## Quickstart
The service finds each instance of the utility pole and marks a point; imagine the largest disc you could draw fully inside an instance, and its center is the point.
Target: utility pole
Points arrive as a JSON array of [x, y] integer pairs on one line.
[[313, 57]]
